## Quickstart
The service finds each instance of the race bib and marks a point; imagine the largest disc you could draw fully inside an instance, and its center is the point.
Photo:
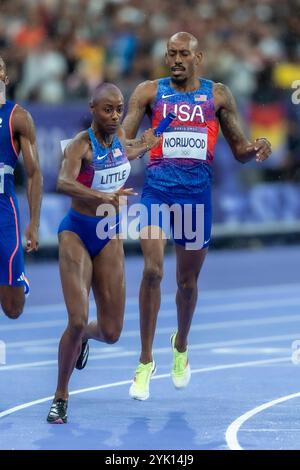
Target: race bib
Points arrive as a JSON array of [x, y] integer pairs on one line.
[[111, 179], [1, 178], [185, 144]]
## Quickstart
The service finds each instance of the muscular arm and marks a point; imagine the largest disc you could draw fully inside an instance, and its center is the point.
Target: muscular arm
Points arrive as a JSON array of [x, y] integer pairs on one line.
[[74, 154], [241, 147], [24, 129], [141, 98], [137, 147]]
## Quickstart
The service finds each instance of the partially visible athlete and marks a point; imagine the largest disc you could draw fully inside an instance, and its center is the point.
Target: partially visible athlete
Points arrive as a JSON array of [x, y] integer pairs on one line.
[[180, 173], [17, 134], [94, 170]]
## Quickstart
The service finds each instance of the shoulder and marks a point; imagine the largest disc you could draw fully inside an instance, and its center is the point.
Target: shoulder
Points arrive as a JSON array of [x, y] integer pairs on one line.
[[21, 117], [222, 96], [79, 144], [22, 123], [220, 89], [20, 111], [149, 85], [82, 137], [146, 90]]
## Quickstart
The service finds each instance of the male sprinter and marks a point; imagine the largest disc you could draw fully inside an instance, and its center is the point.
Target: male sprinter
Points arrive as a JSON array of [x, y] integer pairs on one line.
[[17, 133], [180, 172]]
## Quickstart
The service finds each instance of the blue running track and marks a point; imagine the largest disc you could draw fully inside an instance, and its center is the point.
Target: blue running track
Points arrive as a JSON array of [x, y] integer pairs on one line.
[[244, 390]]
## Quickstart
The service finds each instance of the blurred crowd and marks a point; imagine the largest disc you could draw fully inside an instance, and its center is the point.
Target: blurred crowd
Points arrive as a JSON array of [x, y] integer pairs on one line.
[[57, 50]]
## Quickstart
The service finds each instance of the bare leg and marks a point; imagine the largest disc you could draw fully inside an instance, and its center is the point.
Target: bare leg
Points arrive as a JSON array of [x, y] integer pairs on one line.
[[76, 277], [109, 292], [150, 295], [189, 264], [12, 301]]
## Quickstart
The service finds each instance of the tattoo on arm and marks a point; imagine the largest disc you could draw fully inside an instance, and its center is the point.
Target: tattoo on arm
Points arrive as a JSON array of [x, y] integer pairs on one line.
[[137, 107], [134, 117], [229, 120]]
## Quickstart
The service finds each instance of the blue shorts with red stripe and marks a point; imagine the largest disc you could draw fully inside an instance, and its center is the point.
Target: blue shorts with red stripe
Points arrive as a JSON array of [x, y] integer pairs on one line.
[[187, 218], [11, 250]]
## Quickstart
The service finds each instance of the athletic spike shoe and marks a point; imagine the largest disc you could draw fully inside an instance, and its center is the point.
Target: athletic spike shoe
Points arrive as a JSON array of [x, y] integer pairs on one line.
[[58, 412], [139, 389], [83, 356], [181, 371]]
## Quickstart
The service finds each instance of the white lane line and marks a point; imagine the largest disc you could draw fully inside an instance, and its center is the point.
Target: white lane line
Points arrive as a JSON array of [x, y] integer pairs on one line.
[[120, 353], [251, 305], [205, 295], [231, 434], [250, 351], [233, 307], [33, 325], [156, 377], [224, 325], [259, 290], [32, 342], [235, 342], [229, 308]]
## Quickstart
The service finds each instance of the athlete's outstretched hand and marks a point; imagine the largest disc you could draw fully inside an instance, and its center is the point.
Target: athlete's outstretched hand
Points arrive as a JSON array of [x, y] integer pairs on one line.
[[32, 237], [262, 147], [123, 193], [116, 198], [126, 192]]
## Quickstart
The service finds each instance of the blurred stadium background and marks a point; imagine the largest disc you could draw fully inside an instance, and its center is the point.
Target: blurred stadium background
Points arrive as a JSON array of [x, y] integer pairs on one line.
[[58, 50]]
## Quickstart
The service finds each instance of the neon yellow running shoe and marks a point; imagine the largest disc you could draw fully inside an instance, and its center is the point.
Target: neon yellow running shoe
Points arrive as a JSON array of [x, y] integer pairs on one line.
[[139, 389], [181, 371]]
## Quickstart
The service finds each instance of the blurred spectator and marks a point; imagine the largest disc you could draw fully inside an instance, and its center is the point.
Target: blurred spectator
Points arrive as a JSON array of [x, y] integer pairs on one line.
[[57, 50], [86, 41], [32, 32], [43, 74]]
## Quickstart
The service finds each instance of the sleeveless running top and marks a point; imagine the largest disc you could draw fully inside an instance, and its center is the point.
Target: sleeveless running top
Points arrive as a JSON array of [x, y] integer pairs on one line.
[[109, 169], [182, 162], [8, 153]]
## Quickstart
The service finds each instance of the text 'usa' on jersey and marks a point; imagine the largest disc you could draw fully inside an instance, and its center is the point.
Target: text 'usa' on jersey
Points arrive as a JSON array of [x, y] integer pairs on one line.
[[182, 161], [193, 133]]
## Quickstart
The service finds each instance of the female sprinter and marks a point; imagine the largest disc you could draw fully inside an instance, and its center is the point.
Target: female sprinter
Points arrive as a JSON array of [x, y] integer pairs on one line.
[[94, 170]]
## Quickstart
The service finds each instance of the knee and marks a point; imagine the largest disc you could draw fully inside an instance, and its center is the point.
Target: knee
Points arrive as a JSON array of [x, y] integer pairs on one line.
[[111, 336], [187, 286], [153, 275], [77, 327], [12, 309]]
